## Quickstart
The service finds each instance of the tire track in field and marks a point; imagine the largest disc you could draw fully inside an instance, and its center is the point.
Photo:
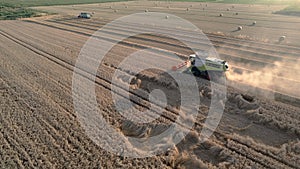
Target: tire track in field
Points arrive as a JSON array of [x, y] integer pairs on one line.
[[117, 31], [64, 133], [60, 152], [213, 14], [71, 71], [27, 149], [137, 45], [13, 141], [18, 122], [40, 124], [217, 39], [250, 70], [256, 159], [254, 62], [6, 149], [9, 157], [255, 66], [283, 78], [240, 68], [67, 65]]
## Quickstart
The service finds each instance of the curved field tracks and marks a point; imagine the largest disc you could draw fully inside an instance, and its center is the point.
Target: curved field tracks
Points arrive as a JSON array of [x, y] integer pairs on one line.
[[255, 61], [39, 127]]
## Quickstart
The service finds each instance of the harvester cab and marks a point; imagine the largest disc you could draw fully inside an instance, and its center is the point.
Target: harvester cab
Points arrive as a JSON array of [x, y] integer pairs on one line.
[[204, 66]]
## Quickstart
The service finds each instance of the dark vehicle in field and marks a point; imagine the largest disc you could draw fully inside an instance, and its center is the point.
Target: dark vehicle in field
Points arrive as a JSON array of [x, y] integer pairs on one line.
[[84, 15]]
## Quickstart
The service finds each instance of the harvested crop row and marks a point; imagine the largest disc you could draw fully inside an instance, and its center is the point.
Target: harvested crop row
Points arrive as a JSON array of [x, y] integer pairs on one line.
[[276, 83], [81, 143], [281, 72], [208, 15], [264, 49], [232, 57]]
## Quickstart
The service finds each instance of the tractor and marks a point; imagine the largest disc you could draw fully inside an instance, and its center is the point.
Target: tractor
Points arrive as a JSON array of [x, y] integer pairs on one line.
[[84, 15]]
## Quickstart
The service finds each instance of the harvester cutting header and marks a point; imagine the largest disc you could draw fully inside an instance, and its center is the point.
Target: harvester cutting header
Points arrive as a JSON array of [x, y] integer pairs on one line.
[[201, 65]]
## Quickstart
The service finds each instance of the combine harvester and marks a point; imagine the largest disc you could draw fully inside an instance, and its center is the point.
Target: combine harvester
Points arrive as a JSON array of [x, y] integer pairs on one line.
[[201, 65]]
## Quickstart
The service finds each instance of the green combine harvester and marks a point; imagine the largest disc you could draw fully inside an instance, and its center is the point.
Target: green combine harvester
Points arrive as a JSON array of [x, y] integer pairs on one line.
[[201, 65]]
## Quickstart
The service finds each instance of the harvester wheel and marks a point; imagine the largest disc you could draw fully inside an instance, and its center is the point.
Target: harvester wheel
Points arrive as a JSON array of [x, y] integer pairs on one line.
[[195, 71], [205, 75]]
